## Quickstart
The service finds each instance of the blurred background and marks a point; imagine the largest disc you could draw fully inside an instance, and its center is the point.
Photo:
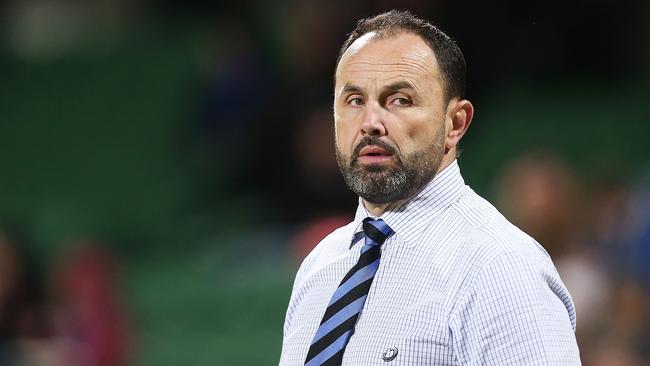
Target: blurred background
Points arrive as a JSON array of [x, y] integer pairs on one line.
[[165, 166]]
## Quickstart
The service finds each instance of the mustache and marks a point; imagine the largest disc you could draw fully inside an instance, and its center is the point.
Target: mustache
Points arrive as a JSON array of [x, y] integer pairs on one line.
[[373, 140]]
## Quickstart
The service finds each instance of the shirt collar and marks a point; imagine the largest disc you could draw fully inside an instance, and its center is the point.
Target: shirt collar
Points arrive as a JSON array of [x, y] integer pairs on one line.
[[411, 216]]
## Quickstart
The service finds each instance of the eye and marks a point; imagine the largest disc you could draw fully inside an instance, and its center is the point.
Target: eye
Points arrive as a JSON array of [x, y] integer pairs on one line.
[[401, 101], [355, 101]]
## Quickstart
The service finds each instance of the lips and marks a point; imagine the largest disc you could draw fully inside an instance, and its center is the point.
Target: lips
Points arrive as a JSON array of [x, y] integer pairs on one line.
[[373, 150], [373, 155]]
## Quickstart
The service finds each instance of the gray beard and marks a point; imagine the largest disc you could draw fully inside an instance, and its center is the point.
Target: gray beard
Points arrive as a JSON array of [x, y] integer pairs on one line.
[[385, 184]]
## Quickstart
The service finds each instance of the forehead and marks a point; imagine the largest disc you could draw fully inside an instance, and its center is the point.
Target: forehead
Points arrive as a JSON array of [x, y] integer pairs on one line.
[[385, 59]]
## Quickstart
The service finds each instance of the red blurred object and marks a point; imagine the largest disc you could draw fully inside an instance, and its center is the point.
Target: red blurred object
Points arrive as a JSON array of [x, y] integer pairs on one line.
[[312, 233], [90, 323]]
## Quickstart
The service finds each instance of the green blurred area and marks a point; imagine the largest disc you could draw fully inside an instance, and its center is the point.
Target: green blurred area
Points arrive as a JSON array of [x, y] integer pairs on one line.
[[601, 130], [203, 313], [89, 145], [87, 141]]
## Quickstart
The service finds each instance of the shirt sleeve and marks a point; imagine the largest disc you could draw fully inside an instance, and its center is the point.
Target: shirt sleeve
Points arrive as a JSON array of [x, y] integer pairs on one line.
[[516, 312]]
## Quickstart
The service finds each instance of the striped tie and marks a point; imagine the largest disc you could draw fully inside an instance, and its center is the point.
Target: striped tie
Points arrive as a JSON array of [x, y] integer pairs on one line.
[[343, 310]]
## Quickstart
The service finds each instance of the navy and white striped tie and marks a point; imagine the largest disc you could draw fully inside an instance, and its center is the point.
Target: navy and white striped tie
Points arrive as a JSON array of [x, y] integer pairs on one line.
[[346, 304]]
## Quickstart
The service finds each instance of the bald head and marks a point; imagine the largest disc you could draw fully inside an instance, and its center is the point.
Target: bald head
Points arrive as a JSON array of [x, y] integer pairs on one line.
[[449, 58]]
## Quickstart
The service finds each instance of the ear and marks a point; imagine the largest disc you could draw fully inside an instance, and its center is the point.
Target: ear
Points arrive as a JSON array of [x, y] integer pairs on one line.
[[459, 117]]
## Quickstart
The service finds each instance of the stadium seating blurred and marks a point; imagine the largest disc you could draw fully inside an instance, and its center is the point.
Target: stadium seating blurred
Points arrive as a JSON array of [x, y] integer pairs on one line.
[[165, 165]]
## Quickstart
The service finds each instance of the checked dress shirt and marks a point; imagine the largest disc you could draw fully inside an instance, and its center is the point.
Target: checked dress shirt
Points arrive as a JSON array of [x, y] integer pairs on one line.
[[457, 285]]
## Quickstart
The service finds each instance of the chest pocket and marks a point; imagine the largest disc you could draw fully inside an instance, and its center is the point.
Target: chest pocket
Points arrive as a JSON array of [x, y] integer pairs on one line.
[[422, 338]]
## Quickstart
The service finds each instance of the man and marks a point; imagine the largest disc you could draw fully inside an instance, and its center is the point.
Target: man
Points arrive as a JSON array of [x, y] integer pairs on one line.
[[428, 273]]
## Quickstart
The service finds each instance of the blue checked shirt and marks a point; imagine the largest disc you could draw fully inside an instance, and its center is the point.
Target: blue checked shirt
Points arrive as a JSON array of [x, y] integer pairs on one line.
[[457, 285]]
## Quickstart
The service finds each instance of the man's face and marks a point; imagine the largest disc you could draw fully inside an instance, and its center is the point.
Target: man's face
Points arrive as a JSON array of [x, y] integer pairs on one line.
[[389, 113]]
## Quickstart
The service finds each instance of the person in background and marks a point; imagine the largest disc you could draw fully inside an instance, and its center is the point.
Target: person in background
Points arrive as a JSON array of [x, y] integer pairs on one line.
[[22, 323], [90, 327]]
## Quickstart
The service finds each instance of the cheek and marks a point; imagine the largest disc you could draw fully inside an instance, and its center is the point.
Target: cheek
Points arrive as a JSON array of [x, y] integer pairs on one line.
[[421, 135], [344, 136]]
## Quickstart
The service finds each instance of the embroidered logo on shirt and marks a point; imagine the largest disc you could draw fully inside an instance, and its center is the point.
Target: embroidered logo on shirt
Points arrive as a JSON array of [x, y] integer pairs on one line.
[[389, 354]]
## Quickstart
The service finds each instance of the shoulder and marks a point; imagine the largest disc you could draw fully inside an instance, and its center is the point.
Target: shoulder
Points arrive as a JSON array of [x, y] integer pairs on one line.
[[510, 294], [491, 235], [505, 261], [498, 256]]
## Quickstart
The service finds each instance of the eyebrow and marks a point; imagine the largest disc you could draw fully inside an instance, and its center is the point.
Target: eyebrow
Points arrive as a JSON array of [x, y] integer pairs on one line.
[[398, 85], [349, 88], [402, 84]]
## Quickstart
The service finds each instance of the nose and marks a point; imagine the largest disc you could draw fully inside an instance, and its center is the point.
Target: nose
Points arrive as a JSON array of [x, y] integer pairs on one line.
[[373, 121]]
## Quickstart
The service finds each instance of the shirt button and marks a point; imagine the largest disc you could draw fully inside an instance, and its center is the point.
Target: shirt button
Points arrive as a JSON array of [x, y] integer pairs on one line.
[[389, 354]]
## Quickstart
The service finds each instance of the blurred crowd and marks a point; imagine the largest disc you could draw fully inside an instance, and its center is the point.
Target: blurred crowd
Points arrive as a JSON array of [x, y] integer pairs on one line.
[[260, 126], [61, 314], [598, 234]]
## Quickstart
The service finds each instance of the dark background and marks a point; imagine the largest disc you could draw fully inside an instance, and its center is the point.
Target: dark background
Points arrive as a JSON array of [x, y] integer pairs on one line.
[[192, 145]]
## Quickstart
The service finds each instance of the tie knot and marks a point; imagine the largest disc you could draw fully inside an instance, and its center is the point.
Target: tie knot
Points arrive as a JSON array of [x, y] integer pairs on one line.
[[376, 230]]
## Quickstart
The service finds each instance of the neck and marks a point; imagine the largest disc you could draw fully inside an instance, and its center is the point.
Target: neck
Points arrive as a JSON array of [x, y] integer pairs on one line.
[[378, 209]]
